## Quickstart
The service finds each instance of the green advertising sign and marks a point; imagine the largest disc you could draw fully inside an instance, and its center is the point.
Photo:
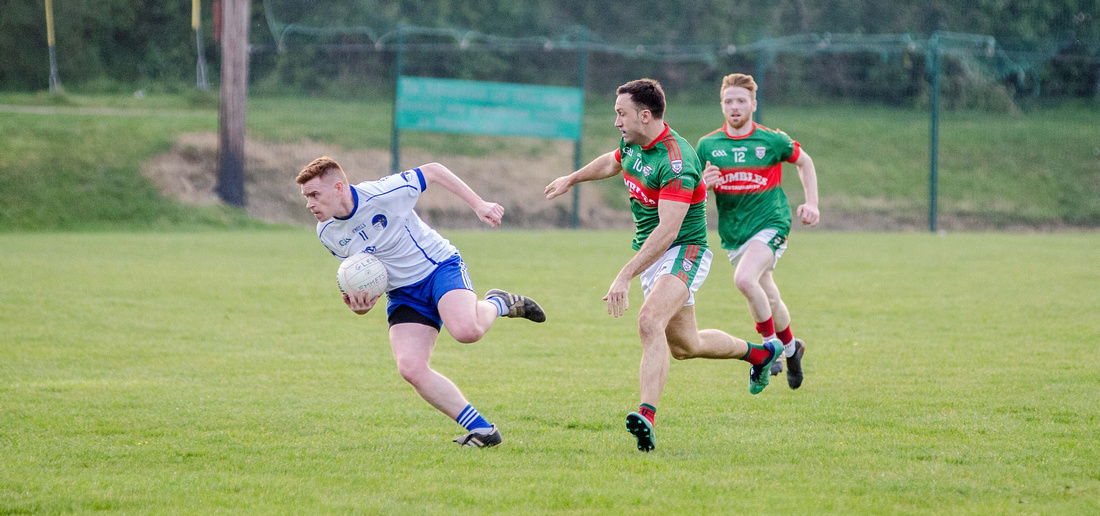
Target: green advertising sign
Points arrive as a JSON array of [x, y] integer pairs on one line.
[[493, 108]]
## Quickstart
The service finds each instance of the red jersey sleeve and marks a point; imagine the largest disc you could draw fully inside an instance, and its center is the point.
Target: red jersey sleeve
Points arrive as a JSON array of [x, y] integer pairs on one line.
[[676, 189], [796, 153]]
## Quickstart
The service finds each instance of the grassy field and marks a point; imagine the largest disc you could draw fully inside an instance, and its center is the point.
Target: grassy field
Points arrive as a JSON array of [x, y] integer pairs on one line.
[[202, 372], [79, 169]]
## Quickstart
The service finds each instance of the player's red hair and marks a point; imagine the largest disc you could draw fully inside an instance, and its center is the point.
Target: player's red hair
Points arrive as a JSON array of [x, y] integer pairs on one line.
[[739, 80], [320, 167]]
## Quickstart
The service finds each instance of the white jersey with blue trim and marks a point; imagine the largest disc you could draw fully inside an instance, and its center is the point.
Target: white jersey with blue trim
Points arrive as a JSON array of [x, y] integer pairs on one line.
[[383, 223]]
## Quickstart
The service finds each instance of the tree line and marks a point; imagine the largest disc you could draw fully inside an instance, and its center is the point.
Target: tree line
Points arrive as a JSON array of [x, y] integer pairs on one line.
[[117, 44]]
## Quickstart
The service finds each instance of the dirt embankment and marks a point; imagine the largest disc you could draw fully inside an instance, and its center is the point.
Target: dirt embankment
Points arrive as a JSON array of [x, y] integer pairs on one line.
[[188, 173]]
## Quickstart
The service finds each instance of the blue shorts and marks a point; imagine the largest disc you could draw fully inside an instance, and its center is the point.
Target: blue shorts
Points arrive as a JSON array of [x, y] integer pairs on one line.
[[423, 296]]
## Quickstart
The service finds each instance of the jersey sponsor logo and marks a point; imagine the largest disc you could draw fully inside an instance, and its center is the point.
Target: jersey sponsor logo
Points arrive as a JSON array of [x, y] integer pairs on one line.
[[677, 166], [760, 152], [344, 241], [638, 192], [379, 222], [743, 176], [718, 153], [741, 181]]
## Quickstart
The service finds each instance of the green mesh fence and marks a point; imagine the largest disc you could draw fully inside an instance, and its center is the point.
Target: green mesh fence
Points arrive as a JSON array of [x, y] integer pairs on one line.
[[944, 132]]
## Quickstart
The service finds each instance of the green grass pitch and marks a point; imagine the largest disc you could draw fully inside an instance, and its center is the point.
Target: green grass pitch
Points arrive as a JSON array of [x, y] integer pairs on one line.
[[205, 372]]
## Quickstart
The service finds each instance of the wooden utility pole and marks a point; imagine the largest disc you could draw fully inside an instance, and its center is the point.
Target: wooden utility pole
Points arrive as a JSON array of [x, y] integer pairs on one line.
[[234, 94]]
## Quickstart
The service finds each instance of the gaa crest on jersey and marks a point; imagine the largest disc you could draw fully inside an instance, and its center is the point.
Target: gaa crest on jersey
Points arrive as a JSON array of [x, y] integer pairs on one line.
[[379, 222], [677, 166], [760, 152], [686, 265]]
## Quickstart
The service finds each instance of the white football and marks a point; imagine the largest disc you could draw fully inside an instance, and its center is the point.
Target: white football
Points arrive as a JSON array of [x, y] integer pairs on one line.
[[362, 272]]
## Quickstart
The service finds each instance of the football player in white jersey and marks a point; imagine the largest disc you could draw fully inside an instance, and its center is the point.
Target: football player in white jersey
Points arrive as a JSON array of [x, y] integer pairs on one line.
[[428, 284]]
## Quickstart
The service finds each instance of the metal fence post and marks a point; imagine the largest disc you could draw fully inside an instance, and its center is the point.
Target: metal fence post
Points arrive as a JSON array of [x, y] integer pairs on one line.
[[200, 66], [934, 56], [582, 72], [55, 83], [399, 70], [762, 59]]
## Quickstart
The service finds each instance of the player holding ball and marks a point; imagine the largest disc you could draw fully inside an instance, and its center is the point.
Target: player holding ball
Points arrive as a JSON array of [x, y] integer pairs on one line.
[[428, 284]]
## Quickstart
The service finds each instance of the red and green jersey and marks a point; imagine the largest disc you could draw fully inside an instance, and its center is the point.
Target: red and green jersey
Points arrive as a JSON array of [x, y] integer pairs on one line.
[[667, 168], [748, 194]]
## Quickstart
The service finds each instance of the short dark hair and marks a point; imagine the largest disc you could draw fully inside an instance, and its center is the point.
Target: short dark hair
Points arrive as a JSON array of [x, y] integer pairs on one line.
[[646, 93]]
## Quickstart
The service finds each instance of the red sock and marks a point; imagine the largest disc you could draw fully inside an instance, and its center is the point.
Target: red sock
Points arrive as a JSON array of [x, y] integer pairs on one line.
[[757, 354], [766, 329], [785, 336], [648, 411]]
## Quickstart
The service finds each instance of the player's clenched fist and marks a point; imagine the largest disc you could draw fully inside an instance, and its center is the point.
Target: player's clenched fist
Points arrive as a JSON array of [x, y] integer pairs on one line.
[[490, 213], [809, 214], [711, 175]]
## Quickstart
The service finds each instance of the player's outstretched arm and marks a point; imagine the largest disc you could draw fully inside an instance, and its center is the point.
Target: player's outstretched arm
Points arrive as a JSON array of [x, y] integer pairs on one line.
[[602, 167], [489, 212], [808, 212], [672, 215]]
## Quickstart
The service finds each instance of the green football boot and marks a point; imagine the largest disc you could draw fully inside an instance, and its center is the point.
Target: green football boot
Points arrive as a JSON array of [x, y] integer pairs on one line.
[[759, 375], [642, 430]]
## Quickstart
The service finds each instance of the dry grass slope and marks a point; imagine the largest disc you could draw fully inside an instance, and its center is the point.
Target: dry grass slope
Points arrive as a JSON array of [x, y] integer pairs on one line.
[[187, 173]]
